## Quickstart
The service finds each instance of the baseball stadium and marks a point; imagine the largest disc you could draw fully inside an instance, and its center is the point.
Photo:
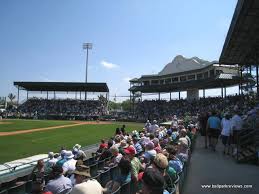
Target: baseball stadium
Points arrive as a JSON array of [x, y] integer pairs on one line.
[[189, 127]]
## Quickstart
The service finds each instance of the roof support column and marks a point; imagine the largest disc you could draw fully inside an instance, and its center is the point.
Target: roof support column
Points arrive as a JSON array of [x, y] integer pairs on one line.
[[179, 95], [54, 94], [85, 95], [203, 93], [27, 94], [222, 92], [241, 79], [225, 92], [80, 95], [18, 96], [170, 96], [47, 95], [158, 95], [257, 85]]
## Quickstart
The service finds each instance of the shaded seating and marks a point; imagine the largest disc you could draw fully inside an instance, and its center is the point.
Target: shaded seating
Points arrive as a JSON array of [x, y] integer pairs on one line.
[[28, 186], [114, 172], [101, 164], [118, 191], [93, 169], [125, 188], [97, 177], [3, 192], [105, 177], [18, 189]]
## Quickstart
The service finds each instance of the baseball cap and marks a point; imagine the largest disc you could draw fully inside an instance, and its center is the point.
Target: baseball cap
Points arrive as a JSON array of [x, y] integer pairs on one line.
[[129, 150]]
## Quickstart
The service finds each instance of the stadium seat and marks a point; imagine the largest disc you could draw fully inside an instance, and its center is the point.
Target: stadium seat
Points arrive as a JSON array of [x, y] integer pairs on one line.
[[125, 188], [4, 192], [97, 177], [105, 177], [118, 191], [101, 164], [28, 186], [93, 169], [18, 189], [114, 172]]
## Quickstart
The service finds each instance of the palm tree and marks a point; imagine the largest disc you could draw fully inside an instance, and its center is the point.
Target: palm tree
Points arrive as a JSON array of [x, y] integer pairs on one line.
[[11, 96]]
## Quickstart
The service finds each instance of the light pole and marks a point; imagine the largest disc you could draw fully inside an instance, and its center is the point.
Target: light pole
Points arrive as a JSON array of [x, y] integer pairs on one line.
[[87, 46]]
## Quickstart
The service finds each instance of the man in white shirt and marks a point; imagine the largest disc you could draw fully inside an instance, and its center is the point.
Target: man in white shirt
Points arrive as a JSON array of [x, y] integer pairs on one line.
[[153, 127], [236, 125], [70, 165]]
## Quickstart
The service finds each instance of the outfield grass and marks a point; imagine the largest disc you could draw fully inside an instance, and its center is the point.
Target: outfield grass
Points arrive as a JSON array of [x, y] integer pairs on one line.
[[25, 145], [16, 124]]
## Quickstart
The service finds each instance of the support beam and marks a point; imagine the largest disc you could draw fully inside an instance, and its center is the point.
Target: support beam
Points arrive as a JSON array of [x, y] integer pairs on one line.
[[203, 93], [18, 96], [85, 95], [47, 95], [257, 85], [158, 95], [241, 76], [225, 92], [222, 92], [80, 95], [27, 94], [170, 96], [179, 95]]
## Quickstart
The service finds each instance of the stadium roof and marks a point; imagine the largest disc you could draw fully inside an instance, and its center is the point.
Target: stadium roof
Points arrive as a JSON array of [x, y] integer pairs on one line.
[[242, 42], [222, 80], [62, 86]]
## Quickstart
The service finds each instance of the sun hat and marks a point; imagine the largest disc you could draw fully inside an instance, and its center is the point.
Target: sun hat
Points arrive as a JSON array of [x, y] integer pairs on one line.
[[77, 146], [51, 154], [161, 161], [82, 170], [69, 155]]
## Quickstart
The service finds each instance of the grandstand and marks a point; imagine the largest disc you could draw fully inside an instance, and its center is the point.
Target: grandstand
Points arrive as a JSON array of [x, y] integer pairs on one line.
[[53, 108]]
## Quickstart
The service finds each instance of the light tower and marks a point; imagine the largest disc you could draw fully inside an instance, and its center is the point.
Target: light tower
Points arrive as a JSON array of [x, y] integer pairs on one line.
[[87, 46]]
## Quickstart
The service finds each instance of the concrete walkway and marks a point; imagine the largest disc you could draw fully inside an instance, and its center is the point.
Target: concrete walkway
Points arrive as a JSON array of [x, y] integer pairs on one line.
[[208, 167]]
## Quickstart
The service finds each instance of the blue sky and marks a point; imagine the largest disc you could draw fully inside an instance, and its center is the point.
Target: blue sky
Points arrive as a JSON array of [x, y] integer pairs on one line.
[[42, 40]]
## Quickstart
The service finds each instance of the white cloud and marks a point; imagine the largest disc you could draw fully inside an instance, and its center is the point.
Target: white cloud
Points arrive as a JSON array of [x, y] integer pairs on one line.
[[108, 65]]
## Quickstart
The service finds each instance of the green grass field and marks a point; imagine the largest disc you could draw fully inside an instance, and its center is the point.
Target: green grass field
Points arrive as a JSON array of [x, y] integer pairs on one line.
[[25, 145]]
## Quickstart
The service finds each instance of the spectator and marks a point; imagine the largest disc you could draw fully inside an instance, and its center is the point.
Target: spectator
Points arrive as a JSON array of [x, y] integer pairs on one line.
[[51, 162], [63, 159], [153, 182], [225, 133], [59, 183], [38, 175], [213, 128], [70, 165], [116, 156], [175, 162]]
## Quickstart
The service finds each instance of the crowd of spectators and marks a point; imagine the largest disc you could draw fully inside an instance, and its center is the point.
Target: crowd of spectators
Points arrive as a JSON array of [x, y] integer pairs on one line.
[[62, 107], [151, 159], [163, 110]]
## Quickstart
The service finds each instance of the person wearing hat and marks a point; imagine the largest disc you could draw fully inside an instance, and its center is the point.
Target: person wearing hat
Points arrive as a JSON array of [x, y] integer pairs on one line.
[[81, 174], [106, 151], [85, 185], [153, 127], [70, 165], [150, 153], [59, 183], [136, 165], [62, 158], [51, 162], [79, 154]]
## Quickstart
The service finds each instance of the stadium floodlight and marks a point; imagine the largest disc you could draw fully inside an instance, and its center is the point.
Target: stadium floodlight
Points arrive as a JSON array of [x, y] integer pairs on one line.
[[87, 46]]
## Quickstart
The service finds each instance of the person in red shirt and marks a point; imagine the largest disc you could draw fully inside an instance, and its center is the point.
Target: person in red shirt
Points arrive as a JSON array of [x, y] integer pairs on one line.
[[102, 146]]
